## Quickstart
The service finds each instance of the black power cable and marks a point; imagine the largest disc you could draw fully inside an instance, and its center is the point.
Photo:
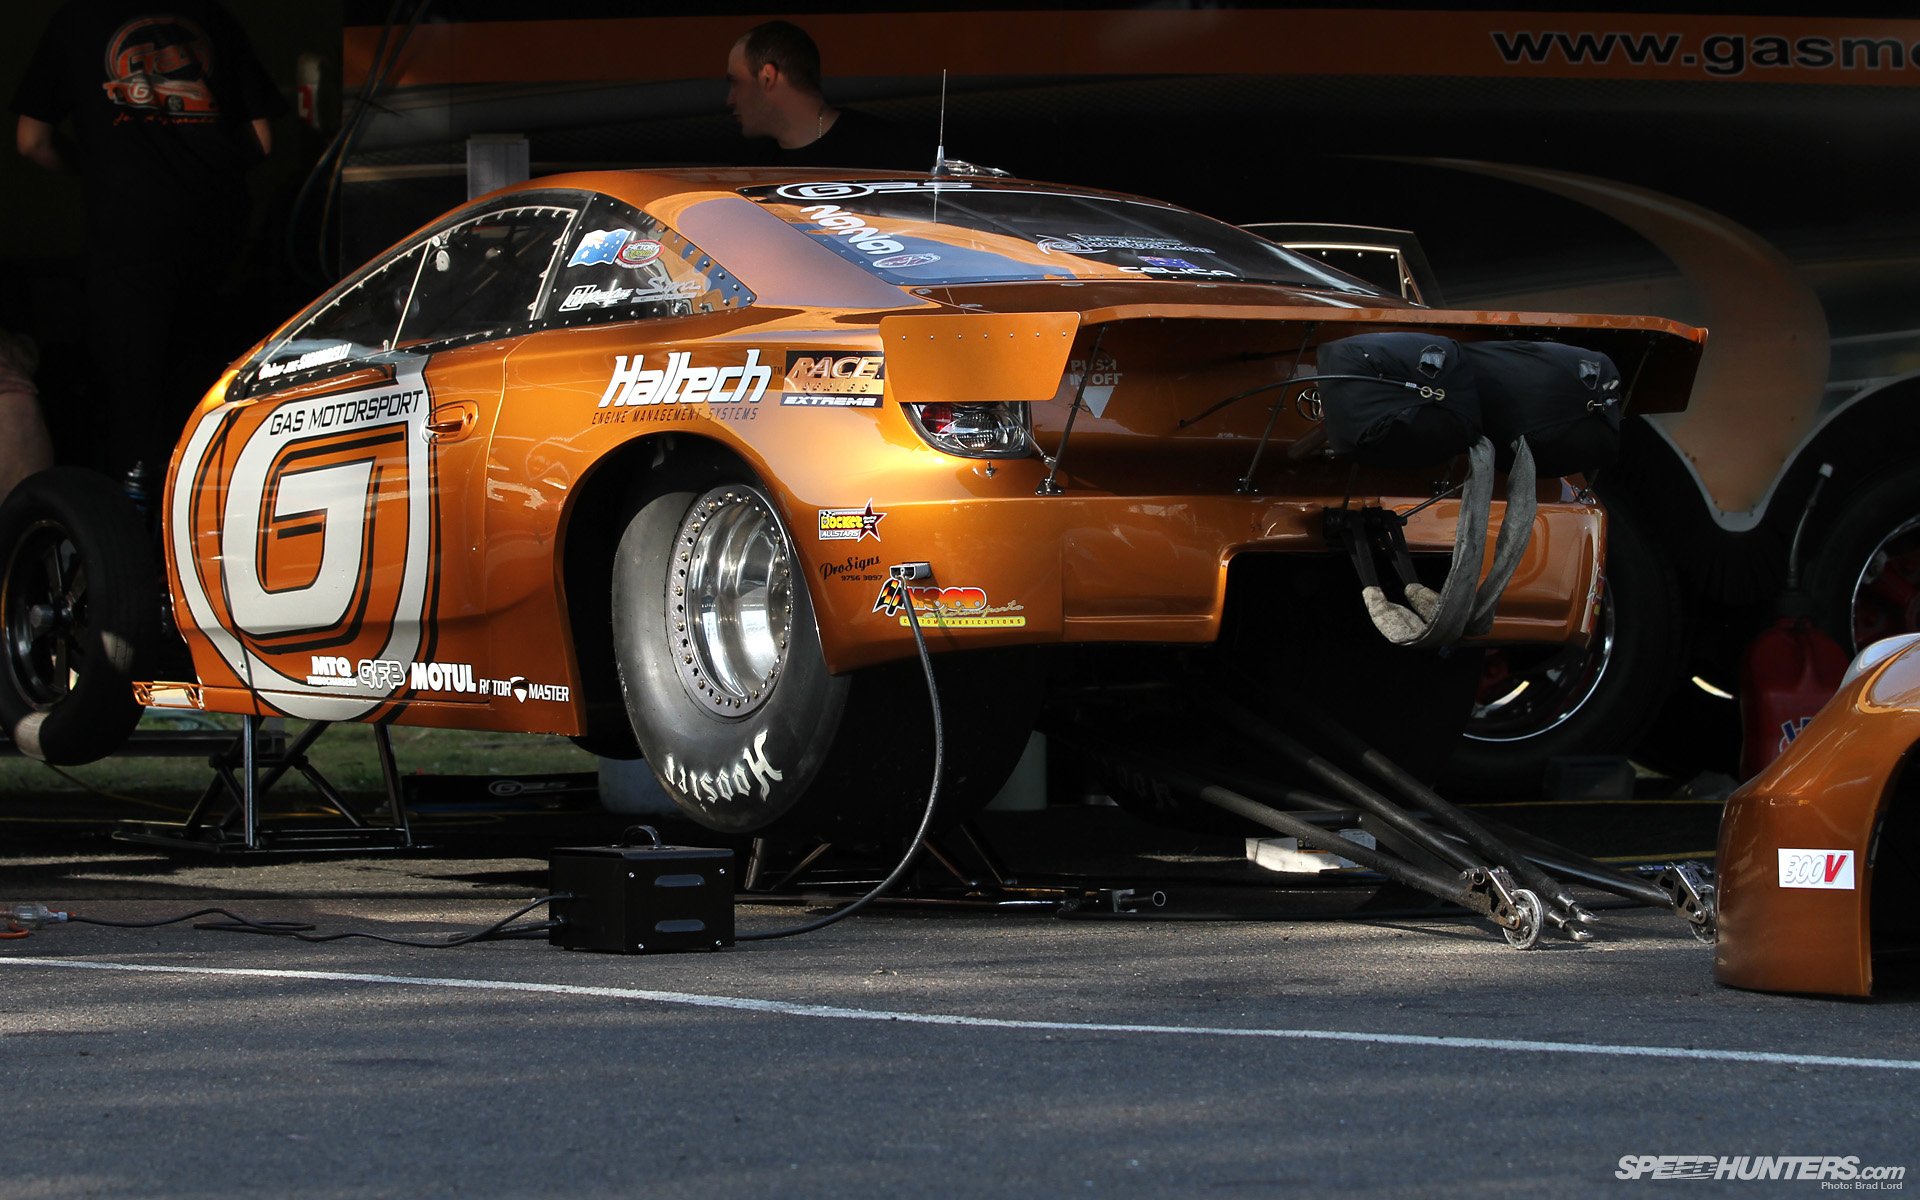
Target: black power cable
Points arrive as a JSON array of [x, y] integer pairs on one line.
[[299, 931], [926, 818]]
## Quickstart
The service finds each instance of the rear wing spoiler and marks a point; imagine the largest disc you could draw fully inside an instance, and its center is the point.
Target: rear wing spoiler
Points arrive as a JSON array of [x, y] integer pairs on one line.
[[963, 357]]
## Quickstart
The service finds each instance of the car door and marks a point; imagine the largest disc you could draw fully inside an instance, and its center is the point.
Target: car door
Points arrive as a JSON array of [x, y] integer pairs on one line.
[[326, 531]]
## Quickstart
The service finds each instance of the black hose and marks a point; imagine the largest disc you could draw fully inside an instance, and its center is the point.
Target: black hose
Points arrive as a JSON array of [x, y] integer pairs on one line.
[[926, 818]]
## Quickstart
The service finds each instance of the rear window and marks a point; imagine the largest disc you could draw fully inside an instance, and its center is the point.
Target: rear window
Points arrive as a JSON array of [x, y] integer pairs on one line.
[[961, 231]]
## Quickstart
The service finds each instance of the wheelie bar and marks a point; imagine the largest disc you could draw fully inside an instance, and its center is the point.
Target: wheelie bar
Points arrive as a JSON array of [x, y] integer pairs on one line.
[[1538, 864], [1488, 891], [1562, 910]]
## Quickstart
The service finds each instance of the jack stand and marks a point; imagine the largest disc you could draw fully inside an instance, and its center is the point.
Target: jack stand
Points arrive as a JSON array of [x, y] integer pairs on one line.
[[264, 760], [951, 884]]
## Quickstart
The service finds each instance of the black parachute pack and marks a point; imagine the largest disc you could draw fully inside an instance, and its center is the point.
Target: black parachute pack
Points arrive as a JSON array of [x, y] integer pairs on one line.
[[1564, 400], [1398, 399], [1413, 399]]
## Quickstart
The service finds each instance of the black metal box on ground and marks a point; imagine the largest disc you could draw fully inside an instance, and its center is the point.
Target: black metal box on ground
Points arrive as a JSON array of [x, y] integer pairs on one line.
[[642, 899]]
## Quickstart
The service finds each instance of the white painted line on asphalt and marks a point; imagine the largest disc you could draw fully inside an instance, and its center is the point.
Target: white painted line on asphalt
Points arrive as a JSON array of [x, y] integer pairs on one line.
[[835, 1012]]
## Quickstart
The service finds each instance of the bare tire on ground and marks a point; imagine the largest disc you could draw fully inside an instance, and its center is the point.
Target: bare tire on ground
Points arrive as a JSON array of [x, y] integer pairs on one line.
[[1866, 577], [1536, 704], [730, 697], [78, 611]]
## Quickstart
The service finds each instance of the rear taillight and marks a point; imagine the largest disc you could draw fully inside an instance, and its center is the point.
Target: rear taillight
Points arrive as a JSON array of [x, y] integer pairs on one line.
[[991, 429]]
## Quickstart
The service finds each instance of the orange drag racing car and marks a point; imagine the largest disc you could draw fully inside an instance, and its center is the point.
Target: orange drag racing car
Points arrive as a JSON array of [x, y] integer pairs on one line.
[[659, 460], [1816, 856]]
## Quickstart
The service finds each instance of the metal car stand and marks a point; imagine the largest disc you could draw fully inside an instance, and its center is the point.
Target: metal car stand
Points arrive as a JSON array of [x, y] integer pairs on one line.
[[964, 874], [228, 817], [1518, 882]]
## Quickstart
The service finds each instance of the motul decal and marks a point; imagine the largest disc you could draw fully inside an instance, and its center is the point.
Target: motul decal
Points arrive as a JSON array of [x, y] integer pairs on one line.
[[320, 516], [1817, 869]]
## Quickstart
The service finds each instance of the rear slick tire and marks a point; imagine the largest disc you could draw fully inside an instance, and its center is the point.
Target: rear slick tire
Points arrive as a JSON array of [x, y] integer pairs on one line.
[[78, 612], [729, 694]]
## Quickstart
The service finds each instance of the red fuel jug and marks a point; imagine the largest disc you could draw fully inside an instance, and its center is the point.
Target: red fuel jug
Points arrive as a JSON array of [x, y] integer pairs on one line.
[[1789, 672]]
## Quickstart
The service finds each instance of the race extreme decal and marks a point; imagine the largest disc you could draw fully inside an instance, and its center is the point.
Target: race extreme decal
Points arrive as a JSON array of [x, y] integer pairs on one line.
[[302, 531], [1099, 385], [1817, 869], [635, 391], [834, 380], [948, 607], [741, 776], [850, 524]]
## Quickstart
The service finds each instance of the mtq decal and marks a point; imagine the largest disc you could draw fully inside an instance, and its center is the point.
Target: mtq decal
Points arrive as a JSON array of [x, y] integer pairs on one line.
[[834, 380], [750, 770], [284, 510], [1817, 869], [948, 607], [850, 524]]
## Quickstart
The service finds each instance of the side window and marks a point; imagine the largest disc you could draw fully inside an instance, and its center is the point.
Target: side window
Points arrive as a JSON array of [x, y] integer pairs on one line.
[[361, 321], [484, 274], [622, 265]]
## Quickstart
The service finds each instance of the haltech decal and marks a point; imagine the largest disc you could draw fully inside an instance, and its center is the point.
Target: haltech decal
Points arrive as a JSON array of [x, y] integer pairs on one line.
[[948, 607], [679, 382], [834, 380]]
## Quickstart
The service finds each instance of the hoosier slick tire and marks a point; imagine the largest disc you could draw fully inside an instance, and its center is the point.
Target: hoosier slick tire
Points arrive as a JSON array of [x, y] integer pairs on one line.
[[729, 693], [78, 610]]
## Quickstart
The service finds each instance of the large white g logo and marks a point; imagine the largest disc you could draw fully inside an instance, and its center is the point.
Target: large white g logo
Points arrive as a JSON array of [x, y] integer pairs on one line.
[[323, 535]]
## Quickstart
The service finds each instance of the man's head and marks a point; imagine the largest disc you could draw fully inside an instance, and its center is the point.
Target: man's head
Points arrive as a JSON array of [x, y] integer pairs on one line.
[[773, 77]]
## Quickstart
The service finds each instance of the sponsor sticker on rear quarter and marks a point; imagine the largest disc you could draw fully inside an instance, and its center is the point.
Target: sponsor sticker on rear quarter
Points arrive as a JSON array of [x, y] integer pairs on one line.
[[1817, 869]]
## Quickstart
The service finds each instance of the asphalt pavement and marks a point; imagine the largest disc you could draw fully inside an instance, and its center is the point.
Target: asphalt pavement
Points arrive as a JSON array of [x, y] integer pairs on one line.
[[1241, 1041]]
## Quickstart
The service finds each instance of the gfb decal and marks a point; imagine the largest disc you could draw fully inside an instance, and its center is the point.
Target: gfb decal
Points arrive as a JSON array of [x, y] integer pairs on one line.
[[749, 770], [850, 524], [302, 533], [1099, 383], [679, 382], [1817, 869], [834, 380], [949, 607]]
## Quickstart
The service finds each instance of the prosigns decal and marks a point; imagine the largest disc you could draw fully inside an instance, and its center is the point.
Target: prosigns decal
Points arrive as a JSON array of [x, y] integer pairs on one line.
[[302, 531]]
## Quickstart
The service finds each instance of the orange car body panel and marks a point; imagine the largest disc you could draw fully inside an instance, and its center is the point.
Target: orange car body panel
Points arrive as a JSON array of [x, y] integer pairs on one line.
[[1823, 798], [471, 457]]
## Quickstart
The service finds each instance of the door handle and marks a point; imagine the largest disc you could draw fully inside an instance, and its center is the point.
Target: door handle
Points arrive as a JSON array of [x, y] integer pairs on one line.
[[451, 422]]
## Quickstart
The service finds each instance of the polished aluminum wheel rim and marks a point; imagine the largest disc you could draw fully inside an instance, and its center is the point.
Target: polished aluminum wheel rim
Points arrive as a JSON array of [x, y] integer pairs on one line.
[[730, 600]]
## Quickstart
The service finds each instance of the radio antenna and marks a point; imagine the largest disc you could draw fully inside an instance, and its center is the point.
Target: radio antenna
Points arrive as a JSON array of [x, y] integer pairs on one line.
[[940, 139]]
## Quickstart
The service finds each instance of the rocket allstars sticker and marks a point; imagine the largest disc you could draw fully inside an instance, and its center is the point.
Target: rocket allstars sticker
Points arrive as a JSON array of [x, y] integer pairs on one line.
[[834, 380]]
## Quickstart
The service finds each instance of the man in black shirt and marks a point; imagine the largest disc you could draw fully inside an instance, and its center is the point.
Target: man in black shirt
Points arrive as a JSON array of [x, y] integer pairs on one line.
[[167, 109], [773, 88]]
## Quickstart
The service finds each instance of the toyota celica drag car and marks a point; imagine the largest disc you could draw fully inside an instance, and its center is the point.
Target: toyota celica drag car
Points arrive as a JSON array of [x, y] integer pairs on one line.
[[659, 460], [1816, 881]]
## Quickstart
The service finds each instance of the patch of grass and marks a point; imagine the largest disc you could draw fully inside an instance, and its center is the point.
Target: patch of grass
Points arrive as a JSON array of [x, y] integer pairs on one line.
[[344, 755]]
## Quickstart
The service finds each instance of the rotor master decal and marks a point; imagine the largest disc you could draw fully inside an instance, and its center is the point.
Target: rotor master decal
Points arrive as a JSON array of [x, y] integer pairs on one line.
[[321, 513]]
